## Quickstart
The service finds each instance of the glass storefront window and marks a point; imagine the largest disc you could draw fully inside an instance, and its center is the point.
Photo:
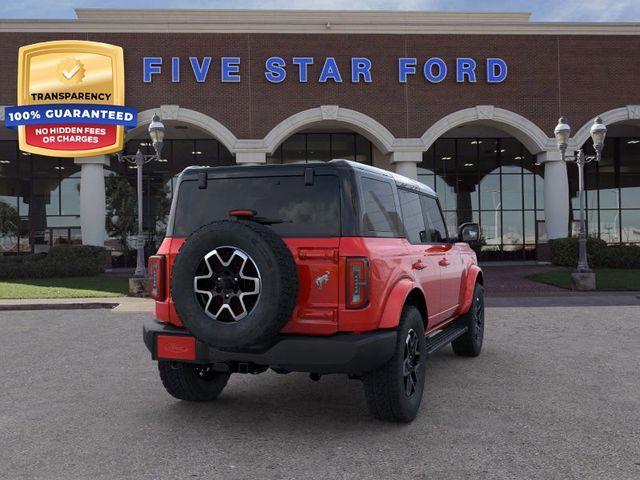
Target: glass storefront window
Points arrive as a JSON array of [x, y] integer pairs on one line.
[[487, 157], [493, 181], [490, 193], [363, 153], [303, 147], [319, 147], [530, 228], [491, 226], [8, 159], [445, 156], [511, 155], [512, 229], [446, 193], [181, 155], [467, 192], [294, 149], [630, 190], [343, 146], [630, 223], [206, 152], [610, 226], [512, 192], [70, 196], [466, 160]]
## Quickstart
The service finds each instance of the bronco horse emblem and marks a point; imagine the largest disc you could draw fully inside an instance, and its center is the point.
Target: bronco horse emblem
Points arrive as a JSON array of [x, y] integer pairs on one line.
[[321, 280]]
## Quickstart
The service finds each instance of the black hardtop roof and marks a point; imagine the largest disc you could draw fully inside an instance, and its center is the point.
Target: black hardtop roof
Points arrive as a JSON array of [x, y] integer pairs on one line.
[[333, 166]]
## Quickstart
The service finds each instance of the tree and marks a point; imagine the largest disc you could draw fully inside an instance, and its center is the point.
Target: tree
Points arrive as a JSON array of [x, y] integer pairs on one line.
[[9, 222], [121, 209]]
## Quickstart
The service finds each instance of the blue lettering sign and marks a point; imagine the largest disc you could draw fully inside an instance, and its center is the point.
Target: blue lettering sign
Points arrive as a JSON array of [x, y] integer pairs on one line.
[[406, 66], [496, 70], [200, 71], [360, 67], [175, 69], [151, 66], [303, 64], [330, 71], [230, 70], [465, 67], [428, 70], [275, 69]]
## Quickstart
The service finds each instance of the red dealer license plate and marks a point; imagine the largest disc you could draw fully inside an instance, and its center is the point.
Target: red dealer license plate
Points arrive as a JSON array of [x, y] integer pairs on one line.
[[175, 347]]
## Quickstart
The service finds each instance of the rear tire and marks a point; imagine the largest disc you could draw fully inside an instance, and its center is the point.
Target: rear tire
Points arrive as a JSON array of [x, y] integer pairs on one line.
[[194, 383], [394, 391], [470, 344]]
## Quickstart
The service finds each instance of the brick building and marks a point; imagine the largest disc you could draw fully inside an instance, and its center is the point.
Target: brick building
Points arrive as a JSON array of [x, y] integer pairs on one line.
[[465, 102]]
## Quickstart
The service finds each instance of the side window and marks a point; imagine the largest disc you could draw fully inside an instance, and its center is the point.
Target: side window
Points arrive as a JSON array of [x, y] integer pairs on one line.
[[412, 216], [436, 231], [380, 214]]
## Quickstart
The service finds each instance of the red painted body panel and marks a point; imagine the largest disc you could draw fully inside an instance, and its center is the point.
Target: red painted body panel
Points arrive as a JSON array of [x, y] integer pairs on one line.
[[395, 302], [316, 311], [444, 274], [468, 284]]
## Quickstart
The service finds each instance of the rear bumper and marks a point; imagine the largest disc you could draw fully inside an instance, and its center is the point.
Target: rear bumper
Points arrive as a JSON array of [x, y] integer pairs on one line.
[[341, 353]]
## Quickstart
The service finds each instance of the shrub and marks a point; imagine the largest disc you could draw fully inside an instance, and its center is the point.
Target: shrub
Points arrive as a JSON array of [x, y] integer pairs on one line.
[[564, 252], [61, 261], [618, 256]]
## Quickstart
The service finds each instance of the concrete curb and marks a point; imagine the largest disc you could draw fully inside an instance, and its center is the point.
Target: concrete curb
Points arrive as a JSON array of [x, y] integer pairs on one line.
[[57, 306]]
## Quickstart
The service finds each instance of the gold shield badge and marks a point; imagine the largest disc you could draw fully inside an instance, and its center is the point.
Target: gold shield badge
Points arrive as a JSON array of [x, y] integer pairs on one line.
[[73, 90]]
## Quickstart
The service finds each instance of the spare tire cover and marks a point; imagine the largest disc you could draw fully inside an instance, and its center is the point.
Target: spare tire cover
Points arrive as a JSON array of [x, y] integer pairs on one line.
[[234, 283]]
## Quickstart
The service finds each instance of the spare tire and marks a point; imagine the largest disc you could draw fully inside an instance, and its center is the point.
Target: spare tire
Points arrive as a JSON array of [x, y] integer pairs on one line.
[[234, 283]]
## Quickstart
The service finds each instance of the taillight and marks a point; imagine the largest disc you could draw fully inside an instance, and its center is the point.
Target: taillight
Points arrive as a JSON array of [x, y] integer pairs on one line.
[[156, 277], [357, 282]]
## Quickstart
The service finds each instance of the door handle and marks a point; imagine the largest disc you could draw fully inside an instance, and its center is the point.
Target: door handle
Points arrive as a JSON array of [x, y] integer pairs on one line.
[[444, 262], [418, 265]]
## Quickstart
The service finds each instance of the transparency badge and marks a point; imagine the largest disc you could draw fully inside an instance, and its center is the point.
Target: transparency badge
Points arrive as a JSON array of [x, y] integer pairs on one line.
[[70, 99]]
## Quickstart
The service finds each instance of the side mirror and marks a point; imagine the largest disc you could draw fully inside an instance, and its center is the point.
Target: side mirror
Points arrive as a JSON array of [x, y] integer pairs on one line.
[[469, 233]]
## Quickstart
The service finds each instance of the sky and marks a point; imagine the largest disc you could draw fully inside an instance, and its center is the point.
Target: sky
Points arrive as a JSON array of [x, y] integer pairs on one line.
[[542, 10]]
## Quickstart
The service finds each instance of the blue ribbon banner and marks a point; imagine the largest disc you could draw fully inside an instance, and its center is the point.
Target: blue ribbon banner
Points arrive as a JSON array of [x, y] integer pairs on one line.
[[70, 113]]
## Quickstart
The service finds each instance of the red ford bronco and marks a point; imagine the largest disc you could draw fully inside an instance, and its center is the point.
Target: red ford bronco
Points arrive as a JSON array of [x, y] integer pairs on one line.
[[323, 268]]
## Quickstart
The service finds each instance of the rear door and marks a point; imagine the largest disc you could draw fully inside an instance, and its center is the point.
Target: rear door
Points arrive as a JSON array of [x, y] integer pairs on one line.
[[424, 266], [305, 210], [441, 250]]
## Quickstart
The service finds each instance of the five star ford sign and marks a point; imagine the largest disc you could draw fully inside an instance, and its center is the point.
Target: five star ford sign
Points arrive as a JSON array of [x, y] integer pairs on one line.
[[70, 99]]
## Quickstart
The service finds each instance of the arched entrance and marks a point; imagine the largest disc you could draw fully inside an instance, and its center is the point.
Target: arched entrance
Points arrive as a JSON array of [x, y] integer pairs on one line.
[[613, 185], [329, 132], [482, 173]]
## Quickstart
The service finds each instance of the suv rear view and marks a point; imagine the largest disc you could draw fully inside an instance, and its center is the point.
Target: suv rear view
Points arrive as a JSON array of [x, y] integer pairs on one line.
[[304, 267]]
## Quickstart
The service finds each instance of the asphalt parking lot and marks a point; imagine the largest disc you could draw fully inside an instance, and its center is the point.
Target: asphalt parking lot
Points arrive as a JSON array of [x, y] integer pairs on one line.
[[555, 394]]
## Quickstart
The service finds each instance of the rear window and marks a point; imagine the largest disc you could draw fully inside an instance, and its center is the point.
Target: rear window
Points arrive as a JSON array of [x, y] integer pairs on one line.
[[380, 214], [303, 210]]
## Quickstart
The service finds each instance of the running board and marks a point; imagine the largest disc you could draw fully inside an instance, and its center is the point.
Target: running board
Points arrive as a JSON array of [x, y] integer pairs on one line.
[[444, 338]]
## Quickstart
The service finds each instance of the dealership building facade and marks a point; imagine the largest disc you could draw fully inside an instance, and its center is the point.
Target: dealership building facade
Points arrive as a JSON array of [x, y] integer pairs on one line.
[[464, 102]]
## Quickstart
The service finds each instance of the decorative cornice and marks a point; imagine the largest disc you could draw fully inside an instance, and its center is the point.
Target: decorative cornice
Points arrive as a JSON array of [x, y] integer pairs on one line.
[[310, 21]]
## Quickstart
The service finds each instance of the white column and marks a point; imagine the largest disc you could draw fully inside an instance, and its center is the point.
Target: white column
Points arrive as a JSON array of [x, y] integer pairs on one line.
[[406, 163], [556, 194], [251, 158], [93, 209]]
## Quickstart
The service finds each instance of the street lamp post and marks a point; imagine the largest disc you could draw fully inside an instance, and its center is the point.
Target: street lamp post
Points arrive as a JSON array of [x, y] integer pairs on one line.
[[156, 133], [598, 132]]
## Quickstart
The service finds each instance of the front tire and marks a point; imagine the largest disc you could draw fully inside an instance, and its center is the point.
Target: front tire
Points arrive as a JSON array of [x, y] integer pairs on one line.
[[470, 344], [394, 391], [190, 382]]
